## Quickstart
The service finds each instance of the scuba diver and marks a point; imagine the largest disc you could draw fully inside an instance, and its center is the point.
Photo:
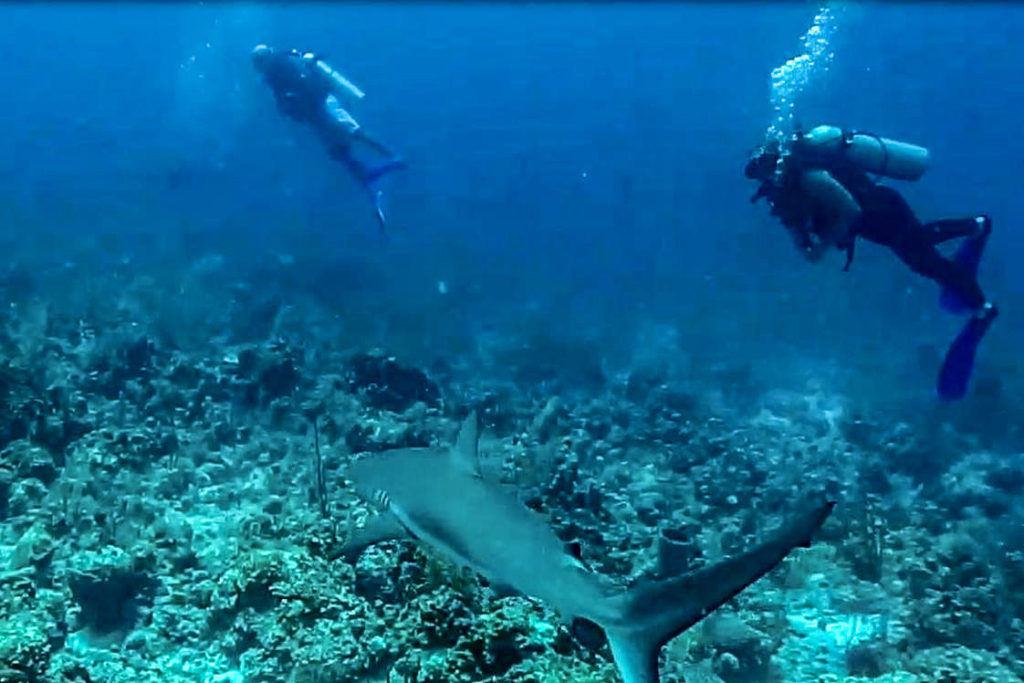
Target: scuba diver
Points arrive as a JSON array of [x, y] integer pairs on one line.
[[307, 90], [820, 190]]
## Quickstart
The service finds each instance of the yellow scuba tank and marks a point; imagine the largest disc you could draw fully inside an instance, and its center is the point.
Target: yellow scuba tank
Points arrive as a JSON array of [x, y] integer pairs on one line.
[[873, 154], [337, 83]]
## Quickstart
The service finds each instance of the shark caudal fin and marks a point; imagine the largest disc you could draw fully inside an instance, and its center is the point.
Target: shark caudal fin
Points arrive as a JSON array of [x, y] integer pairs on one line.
[[652, 613]]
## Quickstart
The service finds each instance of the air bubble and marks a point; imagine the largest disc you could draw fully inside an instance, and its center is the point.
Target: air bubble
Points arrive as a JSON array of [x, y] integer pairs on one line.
[[791, 79]]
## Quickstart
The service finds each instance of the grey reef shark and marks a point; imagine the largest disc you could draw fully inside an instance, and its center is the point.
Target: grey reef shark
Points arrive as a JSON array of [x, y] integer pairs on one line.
[[437, 496]]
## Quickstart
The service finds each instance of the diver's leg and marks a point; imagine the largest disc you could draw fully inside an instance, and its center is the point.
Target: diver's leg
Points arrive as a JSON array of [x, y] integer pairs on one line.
[[358, 169], [374, 173], [342, 130], [392, 163], [951, 228], [366, 176], [960, 292], [339, 132], [967, 259], [969, 253], [960, 289], [958, 277], [373, 142]]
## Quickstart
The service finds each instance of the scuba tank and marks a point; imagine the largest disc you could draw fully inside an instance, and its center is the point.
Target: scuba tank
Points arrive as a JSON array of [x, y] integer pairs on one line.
[[335, 82], [873, 154]]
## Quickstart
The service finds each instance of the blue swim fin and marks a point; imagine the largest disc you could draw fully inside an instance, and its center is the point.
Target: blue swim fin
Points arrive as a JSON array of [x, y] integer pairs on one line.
[[968, 256], [951, 302], [378, 206], [958, 365], [372, 175]]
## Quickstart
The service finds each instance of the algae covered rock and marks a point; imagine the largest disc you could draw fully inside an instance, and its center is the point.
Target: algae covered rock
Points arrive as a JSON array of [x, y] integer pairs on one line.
[[6, 480], [20, 403], [112, 589], [24, 649], [386, 384], [958, 664], [279, 612], [34, 548], [259, 375], [488, 647], [386, 431], [28, 460]]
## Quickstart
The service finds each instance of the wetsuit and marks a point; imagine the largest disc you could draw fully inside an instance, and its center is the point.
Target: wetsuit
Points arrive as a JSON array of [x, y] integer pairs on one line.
[[885, 219], [305, 98], [298, 96], [308, 100], [881, 215]]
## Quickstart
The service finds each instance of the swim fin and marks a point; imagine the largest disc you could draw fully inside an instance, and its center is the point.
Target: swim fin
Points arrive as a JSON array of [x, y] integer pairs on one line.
[[378, 205], [958, 365], [372, 175], [968, 257]]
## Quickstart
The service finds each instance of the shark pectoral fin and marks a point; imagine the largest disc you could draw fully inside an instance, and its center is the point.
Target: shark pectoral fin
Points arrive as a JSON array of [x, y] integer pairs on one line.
[[377, 529], [655, 612], [465, 455]]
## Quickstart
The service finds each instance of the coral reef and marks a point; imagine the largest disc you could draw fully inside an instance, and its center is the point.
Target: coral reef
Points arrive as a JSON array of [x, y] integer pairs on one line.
[[175, 509]]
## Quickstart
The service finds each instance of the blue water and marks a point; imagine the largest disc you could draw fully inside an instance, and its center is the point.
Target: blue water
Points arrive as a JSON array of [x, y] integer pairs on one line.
[[585, 160], [575, 174]]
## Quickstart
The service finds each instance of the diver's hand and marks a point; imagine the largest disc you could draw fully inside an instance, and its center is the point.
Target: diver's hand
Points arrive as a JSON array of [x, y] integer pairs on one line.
[[849, 257], [813, 255], [814, 250], [808, 243], [288, 104]]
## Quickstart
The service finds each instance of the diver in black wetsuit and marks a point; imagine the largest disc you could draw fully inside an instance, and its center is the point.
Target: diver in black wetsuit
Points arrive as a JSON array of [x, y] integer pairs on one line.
[[306, 90], [819, 190]]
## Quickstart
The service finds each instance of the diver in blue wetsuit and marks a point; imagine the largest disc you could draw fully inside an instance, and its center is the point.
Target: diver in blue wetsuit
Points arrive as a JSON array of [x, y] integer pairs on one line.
[[307, 90], [819, 188]]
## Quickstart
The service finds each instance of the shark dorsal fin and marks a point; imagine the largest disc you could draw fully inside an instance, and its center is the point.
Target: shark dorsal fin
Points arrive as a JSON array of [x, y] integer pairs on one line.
[[465, 456]]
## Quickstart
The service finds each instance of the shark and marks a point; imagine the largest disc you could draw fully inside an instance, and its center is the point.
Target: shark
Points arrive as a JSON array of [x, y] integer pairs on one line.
[[438, 496]]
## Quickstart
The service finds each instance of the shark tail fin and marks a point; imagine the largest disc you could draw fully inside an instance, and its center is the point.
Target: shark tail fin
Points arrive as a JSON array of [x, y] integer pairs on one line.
[[652, 613]]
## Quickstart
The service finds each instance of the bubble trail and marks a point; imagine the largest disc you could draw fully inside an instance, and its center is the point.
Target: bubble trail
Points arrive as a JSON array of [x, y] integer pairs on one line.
[[789, 81]]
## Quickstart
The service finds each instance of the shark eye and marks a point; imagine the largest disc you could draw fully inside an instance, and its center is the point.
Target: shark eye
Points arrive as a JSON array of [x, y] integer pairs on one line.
[[382, 498]]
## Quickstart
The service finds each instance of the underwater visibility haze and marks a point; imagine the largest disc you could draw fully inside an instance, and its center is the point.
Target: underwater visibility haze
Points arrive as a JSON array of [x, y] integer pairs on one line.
[[427, 342]]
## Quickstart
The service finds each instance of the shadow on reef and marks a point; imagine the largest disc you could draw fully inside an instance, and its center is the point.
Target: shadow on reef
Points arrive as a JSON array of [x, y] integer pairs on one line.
[[113, 593]]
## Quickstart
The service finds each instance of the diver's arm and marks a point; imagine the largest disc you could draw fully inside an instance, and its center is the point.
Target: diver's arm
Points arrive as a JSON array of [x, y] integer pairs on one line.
[[287, 102], [814, 250], [806, 243], [822, 187]]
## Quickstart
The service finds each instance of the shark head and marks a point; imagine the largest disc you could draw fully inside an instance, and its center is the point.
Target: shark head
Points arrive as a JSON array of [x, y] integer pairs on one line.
[[380, 476], [414, 473]]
